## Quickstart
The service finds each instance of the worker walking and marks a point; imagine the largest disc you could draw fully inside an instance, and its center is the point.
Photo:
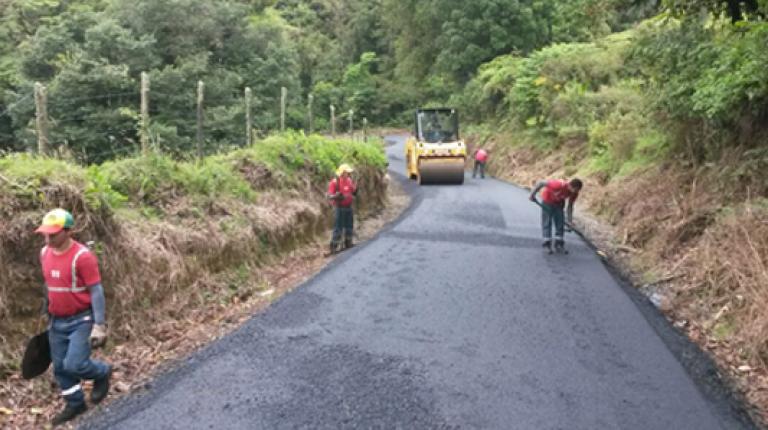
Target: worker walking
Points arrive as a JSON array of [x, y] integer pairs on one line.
[[341, 193], [555, 196], [481, 157], [75, 304]]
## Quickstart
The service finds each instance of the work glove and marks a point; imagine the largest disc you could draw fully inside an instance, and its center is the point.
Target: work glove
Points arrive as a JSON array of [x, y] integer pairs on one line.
[[98, 335], [532, 197]]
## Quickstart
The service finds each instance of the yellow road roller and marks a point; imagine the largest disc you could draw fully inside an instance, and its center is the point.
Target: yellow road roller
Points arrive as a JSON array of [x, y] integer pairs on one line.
[[435, 154]]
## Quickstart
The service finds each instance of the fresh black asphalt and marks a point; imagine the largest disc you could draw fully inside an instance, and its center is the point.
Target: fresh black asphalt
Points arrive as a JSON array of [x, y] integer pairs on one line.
[[452, 317]]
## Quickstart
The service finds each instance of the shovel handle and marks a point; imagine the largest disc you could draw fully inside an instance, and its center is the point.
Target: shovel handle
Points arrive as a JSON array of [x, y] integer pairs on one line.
[[566, 223]]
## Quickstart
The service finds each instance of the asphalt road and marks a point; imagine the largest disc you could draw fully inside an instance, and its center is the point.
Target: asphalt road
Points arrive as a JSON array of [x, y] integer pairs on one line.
[[453, 317]]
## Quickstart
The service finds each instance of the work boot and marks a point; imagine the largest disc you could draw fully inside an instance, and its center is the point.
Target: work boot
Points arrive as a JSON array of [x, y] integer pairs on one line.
[[559, 244], [101, 387], [348, 243], [333, 247], [547, 244], [68, 414]]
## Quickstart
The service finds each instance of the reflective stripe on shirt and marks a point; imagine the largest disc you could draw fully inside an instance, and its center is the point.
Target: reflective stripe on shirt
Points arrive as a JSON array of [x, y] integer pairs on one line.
[[74, 288]]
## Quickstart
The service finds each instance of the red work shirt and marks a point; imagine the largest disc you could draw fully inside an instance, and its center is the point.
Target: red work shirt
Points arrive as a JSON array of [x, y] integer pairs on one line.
[[347, 189], [481, 155], [556, 192], [67, 277]]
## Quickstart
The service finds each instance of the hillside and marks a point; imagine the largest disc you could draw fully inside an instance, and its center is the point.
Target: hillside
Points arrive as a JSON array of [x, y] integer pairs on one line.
[[162, 124], [672, 167]]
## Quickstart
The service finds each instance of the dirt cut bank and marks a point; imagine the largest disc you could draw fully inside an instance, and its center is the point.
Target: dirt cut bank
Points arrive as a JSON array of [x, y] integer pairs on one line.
[[693, 240], [186, 249]]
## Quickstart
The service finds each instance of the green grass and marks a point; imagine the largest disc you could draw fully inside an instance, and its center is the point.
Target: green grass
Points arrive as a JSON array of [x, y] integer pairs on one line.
[[649, 149], [723, 329], [146, 183], [30, 172]]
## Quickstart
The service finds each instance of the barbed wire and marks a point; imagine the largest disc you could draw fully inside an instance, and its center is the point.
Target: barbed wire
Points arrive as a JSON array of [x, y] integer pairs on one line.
[[112, 152], [96, 115], [116, 122], [13, 105], [107, 131], [57, 106], [103, 96]]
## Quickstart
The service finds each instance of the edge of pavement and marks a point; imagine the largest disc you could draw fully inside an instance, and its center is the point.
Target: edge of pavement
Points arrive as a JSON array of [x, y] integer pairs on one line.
[[726, 403]]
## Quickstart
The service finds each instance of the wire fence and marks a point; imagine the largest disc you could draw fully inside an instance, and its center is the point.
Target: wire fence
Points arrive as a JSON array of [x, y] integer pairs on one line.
[[97, 127]]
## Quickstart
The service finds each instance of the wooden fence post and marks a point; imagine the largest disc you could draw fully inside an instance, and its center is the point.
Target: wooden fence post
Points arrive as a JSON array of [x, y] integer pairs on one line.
[[144, 132], [248, 118], [41, 118], [200, 97], [333, 121], [283, 97], [351, 123], [310, 119]]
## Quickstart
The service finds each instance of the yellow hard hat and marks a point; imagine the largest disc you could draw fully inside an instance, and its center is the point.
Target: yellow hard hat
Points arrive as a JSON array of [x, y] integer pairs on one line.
[[344, 168]]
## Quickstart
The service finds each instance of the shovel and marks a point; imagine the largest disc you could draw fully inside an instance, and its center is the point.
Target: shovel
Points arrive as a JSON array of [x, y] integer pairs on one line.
[[37, 356], [568, 226]]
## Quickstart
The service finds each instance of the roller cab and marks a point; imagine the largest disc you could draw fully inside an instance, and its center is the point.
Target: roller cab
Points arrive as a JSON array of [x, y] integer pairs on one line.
[[435, 154]]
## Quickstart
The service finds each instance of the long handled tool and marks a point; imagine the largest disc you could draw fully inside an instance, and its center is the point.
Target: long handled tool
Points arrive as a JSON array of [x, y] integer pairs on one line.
[[568, 226]]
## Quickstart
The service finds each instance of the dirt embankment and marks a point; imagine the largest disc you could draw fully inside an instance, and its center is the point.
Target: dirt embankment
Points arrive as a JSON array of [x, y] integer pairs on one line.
[[695, 244], [174, 281]]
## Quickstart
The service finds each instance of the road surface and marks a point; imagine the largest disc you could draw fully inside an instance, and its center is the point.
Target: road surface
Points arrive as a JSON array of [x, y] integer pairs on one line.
[[453, 317]]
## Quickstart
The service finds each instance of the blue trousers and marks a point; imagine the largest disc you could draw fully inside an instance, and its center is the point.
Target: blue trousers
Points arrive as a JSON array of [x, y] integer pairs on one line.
[[71, 356], [342, 225], [479, 165], [552, 214]]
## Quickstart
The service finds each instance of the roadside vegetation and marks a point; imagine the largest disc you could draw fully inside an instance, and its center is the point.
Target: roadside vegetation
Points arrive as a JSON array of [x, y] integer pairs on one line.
[[662, 106], [174, 238], [667, 122]]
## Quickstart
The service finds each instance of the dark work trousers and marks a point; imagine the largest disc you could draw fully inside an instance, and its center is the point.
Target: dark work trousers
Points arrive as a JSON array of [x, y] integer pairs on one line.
[[342, 226], [549, 214], [481, 166], [71, 356]]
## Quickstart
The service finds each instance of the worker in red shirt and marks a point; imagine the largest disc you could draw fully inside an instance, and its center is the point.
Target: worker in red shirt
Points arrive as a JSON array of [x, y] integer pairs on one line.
[[481, 157], [341, 193], [555, 196], [75, 306]]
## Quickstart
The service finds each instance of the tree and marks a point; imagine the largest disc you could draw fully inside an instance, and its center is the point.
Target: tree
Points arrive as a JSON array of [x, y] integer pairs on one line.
[[359, 85], [736, 10]]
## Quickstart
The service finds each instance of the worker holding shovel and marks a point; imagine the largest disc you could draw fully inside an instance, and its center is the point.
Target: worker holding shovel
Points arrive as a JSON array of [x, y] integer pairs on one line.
[[76, 308], [481, 157], [341, 193], [557, 200]]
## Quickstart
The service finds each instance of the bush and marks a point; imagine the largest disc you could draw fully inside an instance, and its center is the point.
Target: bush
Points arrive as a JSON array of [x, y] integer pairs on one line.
[[292, 152], [575, 68], [157, 179], [614, 139], [711, 78], [650, 148]]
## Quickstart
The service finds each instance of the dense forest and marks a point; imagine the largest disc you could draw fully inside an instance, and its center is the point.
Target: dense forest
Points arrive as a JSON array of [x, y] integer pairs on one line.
[[704, 62], [619, 92], [377, 58]]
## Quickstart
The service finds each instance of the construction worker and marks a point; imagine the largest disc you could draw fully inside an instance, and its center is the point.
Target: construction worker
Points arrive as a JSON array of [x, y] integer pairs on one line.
[[433, 129], [481, 157], [555, 195], [75, 304], [341, 193]]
